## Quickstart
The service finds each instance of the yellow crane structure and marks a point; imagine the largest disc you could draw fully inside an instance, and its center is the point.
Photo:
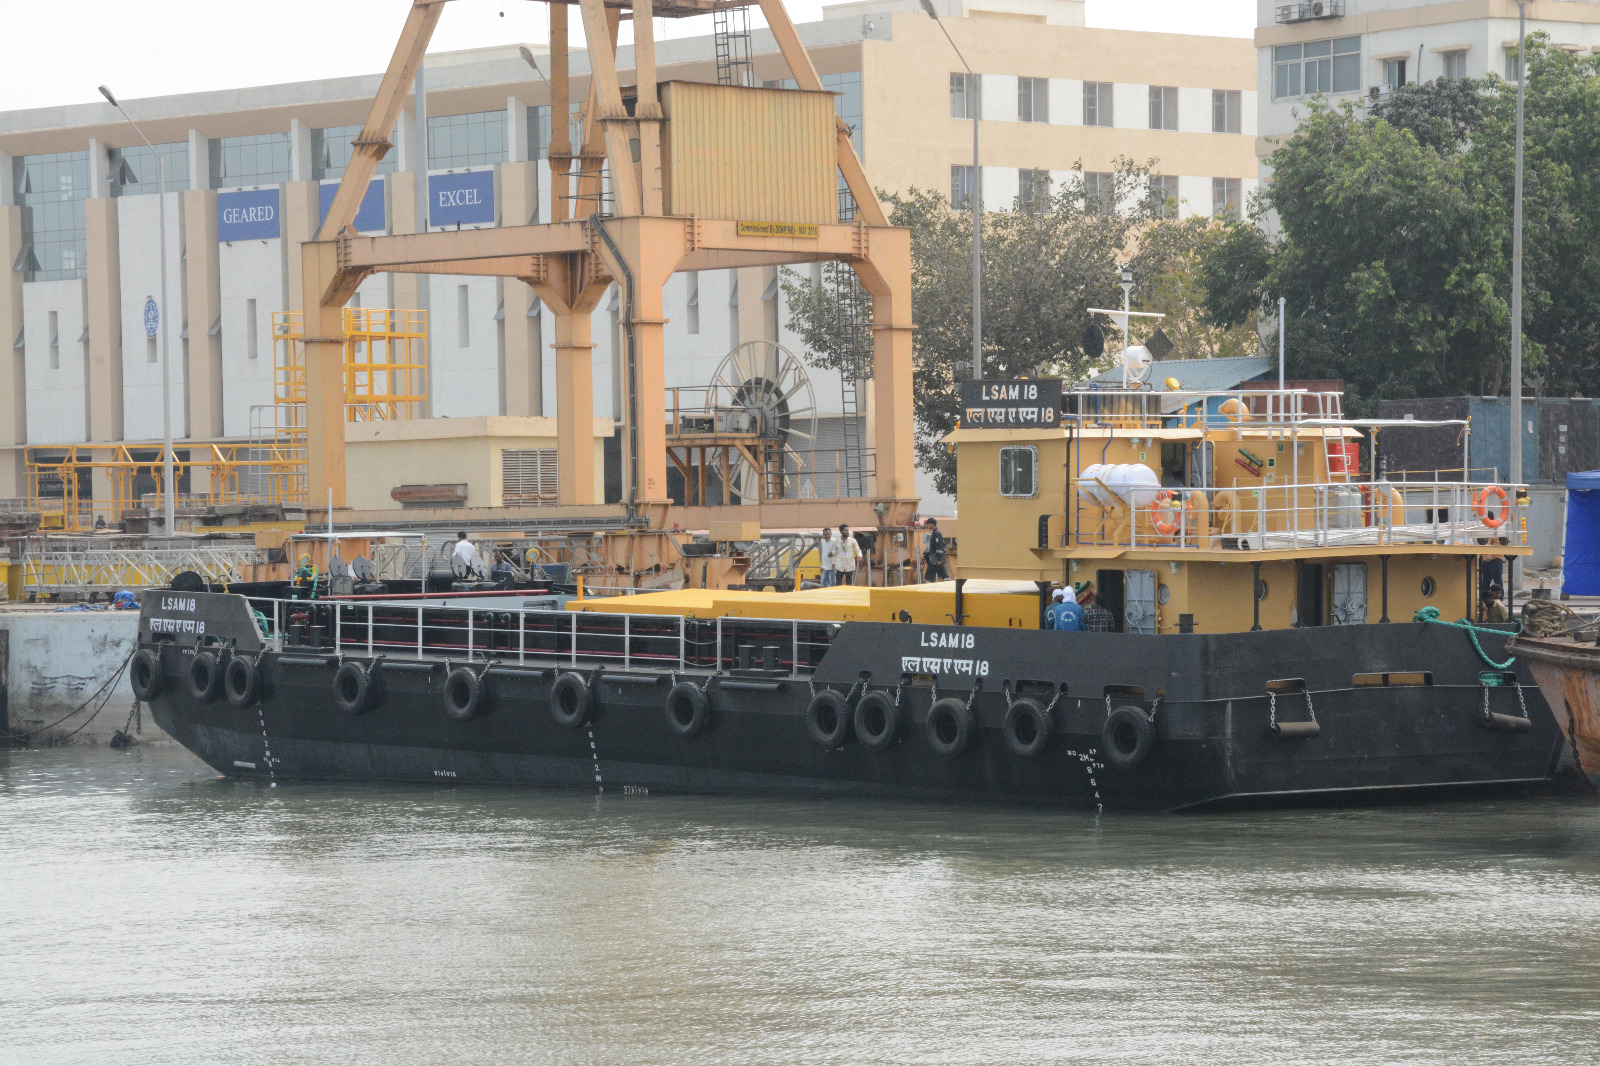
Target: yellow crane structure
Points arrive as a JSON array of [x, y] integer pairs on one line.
[[669, 176]]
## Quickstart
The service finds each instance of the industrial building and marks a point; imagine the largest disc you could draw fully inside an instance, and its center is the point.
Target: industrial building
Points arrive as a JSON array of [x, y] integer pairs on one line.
[[251, 173]]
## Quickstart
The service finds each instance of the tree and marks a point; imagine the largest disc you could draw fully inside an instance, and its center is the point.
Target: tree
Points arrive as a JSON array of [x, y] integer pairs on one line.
[[1043, 268], [1393, 242], [1170, 276]]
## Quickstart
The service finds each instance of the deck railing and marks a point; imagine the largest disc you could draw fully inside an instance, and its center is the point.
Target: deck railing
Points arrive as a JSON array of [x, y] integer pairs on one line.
[[1275, 517], [553, 638]]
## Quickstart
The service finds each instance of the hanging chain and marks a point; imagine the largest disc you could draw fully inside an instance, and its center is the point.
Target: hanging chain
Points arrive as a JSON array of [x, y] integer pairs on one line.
[[1153, 708], [1524, 703], [1312, 711], [1272, 709]]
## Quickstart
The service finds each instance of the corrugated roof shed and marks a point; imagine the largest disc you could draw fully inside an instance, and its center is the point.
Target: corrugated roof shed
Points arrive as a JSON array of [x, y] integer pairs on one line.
[[1196, 375]]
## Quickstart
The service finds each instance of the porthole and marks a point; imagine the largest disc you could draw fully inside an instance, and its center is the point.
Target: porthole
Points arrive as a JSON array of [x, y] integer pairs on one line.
[[1163, 595], [1261, 590], [1428, 588]]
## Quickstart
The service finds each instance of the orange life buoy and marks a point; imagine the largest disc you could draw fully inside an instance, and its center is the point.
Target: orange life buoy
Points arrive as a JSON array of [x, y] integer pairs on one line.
[[1163, 504], [1481, 506]]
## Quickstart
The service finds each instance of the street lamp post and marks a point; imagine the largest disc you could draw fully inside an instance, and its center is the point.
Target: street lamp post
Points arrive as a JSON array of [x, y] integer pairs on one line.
[[169, 483], [1516, 287], [976, 198]]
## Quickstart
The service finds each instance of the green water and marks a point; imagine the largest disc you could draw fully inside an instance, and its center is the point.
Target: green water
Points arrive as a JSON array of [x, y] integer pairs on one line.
[[152, 913]]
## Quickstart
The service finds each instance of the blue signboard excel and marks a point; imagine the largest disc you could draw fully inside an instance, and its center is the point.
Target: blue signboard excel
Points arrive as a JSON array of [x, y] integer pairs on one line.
[[369, 216], [247, 215], [466, 198]]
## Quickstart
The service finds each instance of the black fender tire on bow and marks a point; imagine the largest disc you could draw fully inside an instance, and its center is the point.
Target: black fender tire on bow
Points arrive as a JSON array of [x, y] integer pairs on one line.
[[948, 728], [1127, 738], [688, 710], [1027, 728], [570, 700], [241, 681], [205, 676], [145, 674], [354, 688], [464, 696], [877, 720], [828, 718]]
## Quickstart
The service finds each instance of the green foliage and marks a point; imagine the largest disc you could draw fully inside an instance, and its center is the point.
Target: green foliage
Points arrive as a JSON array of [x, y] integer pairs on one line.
[[1394, 238], [1043, 268]]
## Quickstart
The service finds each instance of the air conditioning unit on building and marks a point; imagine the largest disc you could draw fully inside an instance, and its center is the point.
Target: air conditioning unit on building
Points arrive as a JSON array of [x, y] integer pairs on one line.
[[1308, 10]]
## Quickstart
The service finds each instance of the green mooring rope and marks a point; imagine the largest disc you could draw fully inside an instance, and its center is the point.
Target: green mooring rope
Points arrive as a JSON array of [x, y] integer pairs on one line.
[[1431, 616]]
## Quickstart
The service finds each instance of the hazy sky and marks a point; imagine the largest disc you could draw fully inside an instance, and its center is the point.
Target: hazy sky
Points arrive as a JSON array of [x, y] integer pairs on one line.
[[56, 51]]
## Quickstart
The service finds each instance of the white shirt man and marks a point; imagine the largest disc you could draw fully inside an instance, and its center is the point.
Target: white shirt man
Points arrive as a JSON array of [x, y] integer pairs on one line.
[[827, 557], [464, 550], [849, 557]]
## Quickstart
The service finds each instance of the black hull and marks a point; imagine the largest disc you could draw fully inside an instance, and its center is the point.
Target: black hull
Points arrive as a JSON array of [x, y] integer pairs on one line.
[[1211, 715]]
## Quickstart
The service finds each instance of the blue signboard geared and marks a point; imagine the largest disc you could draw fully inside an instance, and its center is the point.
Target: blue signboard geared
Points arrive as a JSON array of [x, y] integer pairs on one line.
[[248, 215], [152, 316], [370, 216], [465, 198]]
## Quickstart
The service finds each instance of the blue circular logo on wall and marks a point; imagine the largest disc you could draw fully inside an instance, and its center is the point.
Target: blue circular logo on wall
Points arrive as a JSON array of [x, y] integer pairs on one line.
[[152, 316]]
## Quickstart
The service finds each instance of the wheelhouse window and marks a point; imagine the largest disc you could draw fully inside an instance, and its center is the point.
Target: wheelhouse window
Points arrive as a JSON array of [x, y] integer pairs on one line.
[[1019, 471]]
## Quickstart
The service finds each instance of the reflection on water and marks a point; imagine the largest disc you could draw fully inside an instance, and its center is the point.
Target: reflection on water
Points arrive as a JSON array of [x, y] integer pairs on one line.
[[151, 913]]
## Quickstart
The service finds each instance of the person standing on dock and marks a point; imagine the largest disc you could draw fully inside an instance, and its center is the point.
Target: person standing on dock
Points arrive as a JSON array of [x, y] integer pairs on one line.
[[827, 555], [848, 558], [933, 553]]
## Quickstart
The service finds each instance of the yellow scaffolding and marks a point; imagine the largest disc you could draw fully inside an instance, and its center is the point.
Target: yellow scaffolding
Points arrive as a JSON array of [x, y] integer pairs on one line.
[[386, 377]]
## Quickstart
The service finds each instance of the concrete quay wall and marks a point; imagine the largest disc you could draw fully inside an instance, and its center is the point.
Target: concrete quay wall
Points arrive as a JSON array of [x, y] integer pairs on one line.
[[52, 662]]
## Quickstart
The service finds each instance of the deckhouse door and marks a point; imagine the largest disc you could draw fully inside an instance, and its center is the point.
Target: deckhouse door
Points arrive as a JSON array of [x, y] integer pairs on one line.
[[1350, 594], [1140, 611]]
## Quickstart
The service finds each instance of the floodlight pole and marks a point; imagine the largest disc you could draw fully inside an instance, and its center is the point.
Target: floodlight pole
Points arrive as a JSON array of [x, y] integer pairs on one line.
[[974, 104], [169, 484]]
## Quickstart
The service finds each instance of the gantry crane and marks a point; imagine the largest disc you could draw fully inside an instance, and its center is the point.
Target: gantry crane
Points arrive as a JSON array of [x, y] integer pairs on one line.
[[654, 188]]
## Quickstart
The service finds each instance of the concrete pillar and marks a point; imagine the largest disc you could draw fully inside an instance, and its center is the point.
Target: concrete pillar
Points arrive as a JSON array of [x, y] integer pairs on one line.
[[522, 360], [199, 161], [203, 299], [301, 164], [99, 170], [102, 316], [13, 378], [302, 214], [517, 148], [574, 407]]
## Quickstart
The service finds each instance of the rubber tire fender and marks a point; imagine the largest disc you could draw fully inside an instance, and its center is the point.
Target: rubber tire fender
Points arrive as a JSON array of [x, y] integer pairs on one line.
[[145, 674], [241, 681], [570, 700], [463, 694], [828, 703], [687, 696], [1127, 738], [955, 712], [876, 705], [1043, 725], [205, 676], [354, 688]]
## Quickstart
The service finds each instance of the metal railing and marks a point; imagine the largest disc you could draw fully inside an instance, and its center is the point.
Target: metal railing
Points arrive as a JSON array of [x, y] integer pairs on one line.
[[1274, 517], [100, 569], [1147, 408], [571, 639]]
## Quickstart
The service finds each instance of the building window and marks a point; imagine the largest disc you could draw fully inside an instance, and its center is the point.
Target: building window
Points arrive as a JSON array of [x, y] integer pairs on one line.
[[963, 96], [1097, 103], [474, 140], [1394, 73], [1513, 66], [332, 148], [134, 171], [693, 302], [51, 190], [1033, 99], [1019, 471], [1316, 67], [1033, 190], [846, 88], [1455, 65], [1099, 193], [1227, 111], [252, 340], [1163, 107], [259, 160], [463, 318], [961, 186], [1164, 195], [149, 349], [1225, 198], [55, 340]]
